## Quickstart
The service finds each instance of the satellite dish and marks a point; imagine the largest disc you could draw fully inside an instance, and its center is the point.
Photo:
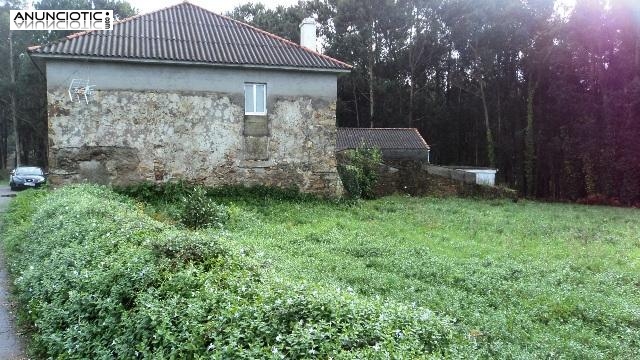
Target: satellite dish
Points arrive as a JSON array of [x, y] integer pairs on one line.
[[80, 89]]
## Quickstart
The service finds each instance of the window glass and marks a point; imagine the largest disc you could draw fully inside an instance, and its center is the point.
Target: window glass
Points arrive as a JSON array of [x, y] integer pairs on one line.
[[260, 89], [249, 104], [255, 98], [29, 171]]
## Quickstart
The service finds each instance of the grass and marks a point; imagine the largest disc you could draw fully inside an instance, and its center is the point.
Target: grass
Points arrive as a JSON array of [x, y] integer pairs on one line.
[[526, 280], [515, 280], [97, 278]]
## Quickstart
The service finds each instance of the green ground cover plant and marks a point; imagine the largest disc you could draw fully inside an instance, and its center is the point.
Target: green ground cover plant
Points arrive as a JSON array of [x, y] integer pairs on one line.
[[98, 278], [521, 280], [503, 279], [200, 211]]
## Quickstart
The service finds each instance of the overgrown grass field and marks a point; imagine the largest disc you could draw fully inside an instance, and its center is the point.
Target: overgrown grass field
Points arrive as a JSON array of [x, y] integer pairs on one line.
[[527, 279], [290, 276]]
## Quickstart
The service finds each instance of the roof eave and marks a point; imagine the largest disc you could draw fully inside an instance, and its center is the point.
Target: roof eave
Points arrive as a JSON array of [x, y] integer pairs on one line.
[[389, 148], [187, 63]]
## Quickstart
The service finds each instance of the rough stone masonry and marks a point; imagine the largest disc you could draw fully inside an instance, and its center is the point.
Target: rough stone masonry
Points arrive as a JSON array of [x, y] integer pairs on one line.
[[123, 136]]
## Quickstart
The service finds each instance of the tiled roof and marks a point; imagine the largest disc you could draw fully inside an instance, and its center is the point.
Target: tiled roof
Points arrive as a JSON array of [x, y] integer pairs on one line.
[[382, 138], [187, 33]]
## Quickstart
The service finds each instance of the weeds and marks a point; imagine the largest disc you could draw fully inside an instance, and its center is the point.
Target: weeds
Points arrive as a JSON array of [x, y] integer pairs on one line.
[[97, 278]]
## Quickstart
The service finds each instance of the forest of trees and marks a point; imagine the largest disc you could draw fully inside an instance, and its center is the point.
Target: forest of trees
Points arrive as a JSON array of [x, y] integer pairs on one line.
[[547, 94]]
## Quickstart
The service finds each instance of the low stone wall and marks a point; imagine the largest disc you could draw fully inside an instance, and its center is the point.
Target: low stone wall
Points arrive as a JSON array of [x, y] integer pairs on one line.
[[420, 179], [453, 174], [391, 155]]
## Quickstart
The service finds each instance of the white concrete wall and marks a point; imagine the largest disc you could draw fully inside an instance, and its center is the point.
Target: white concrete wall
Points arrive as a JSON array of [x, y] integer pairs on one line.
[[129, 76]]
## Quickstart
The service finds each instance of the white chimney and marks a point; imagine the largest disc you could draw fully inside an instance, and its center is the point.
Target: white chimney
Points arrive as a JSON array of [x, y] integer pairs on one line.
[[308, 33]]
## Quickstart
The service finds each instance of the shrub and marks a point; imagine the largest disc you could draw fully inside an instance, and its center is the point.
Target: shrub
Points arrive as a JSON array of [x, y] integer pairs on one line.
[[360, 174], [349, 176], [599, 199], [257, 192], [152, 192], [200, 211], [172, 192], [97, 278]]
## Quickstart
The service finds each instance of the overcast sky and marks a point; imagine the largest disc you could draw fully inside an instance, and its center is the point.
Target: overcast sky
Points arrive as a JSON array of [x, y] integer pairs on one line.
[[217, 6], [223, 6]]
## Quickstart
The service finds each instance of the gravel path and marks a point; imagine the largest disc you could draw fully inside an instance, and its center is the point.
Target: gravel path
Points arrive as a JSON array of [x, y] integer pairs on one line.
[[11, 344]]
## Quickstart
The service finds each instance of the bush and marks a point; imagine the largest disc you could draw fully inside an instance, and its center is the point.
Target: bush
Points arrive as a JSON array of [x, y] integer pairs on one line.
[[199, 211], [97, 278], [172, 192], [360, 174], [349, 177], [599, 199], [153, 192]]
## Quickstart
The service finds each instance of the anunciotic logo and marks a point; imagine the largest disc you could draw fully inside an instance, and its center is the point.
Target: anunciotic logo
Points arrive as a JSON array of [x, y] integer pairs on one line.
[[61, 20]]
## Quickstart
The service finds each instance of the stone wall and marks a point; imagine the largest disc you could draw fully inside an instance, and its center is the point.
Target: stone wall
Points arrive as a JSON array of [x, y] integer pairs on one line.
[[418, 178], [125, 136]]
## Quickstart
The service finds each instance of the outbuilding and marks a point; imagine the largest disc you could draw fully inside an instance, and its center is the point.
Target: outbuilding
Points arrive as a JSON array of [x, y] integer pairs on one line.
[[395, 144]]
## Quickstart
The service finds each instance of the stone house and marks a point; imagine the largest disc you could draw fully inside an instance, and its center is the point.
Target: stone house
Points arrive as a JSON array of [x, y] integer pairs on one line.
[[184, 93]]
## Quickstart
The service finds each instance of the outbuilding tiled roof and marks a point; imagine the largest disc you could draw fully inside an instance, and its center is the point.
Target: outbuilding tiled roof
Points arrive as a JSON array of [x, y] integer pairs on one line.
[[187, 33], [382, 138]]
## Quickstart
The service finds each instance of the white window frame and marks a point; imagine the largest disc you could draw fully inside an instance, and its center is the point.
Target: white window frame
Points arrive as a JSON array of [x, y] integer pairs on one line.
[[254, 86]]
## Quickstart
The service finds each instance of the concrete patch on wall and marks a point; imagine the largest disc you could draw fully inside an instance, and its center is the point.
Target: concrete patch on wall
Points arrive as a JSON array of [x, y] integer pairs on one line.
[[256, 148], [93, 171], [123, 136], [99, 164], [256, 125]]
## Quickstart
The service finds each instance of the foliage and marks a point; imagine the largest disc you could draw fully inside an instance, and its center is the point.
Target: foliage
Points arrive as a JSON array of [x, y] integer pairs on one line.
[[282, 21], [97, 278], [548, 95], [240, 193], [360, 175], [173, 192], [200, 211], [148, 191], [599, 199], [349, 177], [165, 202], [522, 280]]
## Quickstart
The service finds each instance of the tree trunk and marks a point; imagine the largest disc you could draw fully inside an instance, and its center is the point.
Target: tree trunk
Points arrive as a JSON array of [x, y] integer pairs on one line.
[[355, 103], [371, 62], [412, 85], [529, 141], [371, 102], [411, 96], [490, 145], [3, 140], [499, 132], [12, 77]]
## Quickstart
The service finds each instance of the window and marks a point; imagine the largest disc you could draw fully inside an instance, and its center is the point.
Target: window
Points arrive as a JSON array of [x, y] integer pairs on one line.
[[255, 99]]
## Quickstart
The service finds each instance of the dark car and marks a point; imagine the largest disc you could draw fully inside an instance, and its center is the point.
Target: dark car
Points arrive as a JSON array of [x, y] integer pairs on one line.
[[27, 177]]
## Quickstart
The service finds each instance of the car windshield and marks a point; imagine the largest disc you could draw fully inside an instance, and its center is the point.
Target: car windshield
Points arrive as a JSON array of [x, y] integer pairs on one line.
[[29, 171]]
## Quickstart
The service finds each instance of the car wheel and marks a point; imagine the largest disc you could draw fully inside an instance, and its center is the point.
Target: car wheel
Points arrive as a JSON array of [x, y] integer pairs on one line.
[[13, 187]]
